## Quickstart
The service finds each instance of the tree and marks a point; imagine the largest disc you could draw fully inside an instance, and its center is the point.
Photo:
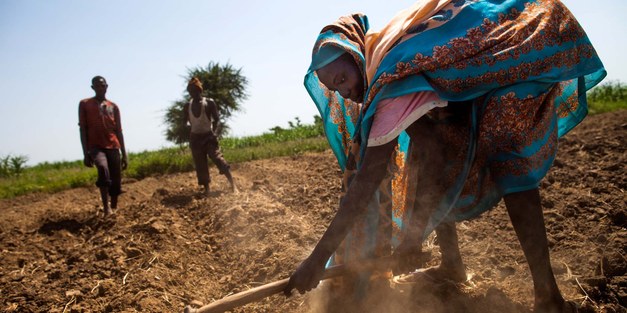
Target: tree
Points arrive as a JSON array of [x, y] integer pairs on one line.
[[223, 83]]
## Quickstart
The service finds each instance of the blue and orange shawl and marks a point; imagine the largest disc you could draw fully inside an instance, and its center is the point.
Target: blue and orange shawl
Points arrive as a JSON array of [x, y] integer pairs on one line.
[[525, 65]]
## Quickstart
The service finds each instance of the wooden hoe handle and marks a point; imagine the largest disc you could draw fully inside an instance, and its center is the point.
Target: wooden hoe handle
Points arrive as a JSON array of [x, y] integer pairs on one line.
[[258, 293]]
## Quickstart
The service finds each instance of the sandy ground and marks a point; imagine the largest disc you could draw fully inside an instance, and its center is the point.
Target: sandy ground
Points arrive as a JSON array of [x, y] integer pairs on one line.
[[168, 247]]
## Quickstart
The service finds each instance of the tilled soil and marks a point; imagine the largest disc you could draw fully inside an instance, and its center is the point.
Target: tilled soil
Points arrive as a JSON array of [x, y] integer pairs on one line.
[[168, 247]]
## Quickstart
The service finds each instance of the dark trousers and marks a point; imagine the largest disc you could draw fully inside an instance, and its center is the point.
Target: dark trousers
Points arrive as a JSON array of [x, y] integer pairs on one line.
[[107, 161], [203, 146]]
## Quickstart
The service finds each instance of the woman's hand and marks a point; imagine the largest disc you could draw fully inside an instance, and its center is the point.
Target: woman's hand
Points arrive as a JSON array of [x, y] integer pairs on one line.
[[307, 276], [352, 206]]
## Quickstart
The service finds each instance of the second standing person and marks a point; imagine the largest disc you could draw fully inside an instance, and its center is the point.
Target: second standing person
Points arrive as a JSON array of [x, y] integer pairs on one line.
[[202, 115]]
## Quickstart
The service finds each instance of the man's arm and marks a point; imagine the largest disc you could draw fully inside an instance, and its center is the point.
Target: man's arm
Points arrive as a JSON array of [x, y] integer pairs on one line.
[[185, 116], [82, 126], [214, 117], [120, 135]]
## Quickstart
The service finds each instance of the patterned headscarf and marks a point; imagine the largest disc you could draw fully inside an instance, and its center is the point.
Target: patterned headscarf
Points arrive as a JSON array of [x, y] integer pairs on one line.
[[351, 30], [339, 115]]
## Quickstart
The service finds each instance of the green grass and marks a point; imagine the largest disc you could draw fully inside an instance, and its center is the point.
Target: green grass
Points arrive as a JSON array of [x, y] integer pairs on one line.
[[607, 97], [53, 177], [598, 107], [45, 180]]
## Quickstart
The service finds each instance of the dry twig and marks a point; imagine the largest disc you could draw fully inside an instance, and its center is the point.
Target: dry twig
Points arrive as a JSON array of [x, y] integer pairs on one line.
[[95, 287], [586, 297], [69, 303]]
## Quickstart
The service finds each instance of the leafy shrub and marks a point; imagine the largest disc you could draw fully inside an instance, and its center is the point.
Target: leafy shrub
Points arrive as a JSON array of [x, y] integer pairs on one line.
[[12, 165]]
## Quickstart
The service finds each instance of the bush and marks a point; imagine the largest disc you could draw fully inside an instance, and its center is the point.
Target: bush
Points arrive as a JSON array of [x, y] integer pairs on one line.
[[12, 165]]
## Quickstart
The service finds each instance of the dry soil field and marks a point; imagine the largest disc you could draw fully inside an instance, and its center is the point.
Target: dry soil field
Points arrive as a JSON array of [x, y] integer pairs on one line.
[[168, 247]]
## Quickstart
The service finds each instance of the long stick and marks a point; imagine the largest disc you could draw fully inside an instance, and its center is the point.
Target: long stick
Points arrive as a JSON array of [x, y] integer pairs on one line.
[[258, 293]]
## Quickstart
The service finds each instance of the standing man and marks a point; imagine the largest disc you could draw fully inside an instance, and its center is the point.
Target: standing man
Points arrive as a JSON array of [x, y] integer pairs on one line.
[[202, 114], [102, 139]]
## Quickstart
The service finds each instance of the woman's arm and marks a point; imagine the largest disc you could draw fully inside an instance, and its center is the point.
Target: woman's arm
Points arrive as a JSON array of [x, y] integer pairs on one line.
[[354, 203]]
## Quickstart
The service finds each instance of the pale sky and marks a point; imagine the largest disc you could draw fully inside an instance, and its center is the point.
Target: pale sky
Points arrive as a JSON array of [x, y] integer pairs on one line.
[[50, 50]]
